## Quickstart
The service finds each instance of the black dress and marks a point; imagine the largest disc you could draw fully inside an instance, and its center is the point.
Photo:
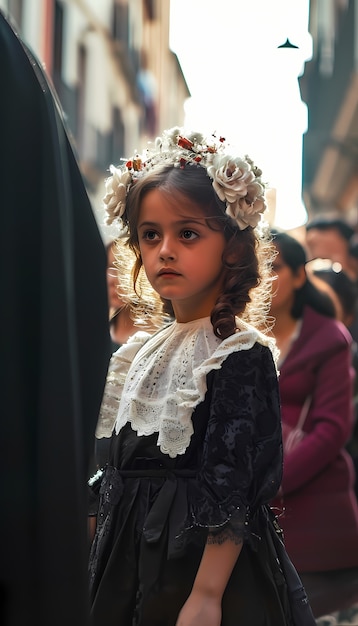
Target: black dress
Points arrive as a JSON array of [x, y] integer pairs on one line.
[[155, 511]]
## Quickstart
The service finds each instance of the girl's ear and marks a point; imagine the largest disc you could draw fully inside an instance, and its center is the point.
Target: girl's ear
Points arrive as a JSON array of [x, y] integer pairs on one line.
[[300, 277]]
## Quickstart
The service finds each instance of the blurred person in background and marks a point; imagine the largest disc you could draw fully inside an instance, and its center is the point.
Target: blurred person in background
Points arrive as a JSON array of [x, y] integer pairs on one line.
[[344, 288], [121, 324], [345, 293], [54, 350], [130, 309], [331, 237], [317, 500]]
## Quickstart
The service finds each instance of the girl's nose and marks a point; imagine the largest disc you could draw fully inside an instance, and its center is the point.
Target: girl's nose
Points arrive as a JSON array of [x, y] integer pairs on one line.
[[167, 249]]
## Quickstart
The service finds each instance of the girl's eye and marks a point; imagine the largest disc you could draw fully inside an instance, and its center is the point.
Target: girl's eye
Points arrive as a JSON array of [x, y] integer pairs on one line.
[[189, 234], [150, 235]]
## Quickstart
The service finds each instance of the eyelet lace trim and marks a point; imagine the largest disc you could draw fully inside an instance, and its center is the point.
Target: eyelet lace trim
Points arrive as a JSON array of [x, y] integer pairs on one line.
[[116, 376], [155, 384]]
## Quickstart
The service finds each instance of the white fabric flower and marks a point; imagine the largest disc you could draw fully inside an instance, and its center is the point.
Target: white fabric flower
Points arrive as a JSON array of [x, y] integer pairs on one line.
[[116, 191], [245, 214], [249, 209], [236, 184], [230, 177]]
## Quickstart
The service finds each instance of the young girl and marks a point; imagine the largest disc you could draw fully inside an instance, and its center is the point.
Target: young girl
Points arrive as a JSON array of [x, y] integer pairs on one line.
[[196, 444]]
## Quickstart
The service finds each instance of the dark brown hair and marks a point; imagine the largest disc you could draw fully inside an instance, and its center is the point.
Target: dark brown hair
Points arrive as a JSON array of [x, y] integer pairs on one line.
[[294, 256]]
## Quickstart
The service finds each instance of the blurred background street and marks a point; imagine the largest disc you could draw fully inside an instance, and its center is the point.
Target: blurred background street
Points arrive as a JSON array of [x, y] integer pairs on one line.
[[278, 78]]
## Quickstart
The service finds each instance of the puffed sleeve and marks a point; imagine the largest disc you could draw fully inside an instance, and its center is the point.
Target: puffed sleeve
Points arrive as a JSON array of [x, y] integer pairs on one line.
[[241, 466]]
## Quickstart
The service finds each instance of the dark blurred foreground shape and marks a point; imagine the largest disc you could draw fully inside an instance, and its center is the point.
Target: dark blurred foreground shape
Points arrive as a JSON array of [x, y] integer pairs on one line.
[[54, 351]]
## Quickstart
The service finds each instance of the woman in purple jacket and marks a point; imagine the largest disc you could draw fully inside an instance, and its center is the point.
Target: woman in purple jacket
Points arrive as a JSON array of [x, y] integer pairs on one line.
[[317, 499]]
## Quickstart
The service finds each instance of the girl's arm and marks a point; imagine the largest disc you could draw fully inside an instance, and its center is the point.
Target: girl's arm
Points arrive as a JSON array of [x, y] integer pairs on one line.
[[92, 521], [241, 468], [203, 606]]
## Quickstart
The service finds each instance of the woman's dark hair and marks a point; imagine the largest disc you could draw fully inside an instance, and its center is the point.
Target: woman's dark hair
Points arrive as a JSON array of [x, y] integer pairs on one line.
[[240, 259], [294, 256], [353, 246], [342, 285]]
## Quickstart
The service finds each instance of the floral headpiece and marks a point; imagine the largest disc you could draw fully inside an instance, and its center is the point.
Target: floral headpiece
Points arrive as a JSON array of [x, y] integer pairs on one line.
[[236, 180]]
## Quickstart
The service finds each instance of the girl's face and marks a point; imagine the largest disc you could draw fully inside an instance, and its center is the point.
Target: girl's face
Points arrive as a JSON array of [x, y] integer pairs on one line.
[[285, 285], [181, 255]]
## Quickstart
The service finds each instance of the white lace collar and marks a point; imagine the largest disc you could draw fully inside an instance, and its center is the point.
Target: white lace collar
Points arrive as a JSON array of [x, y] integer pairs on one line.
[[156, 386]]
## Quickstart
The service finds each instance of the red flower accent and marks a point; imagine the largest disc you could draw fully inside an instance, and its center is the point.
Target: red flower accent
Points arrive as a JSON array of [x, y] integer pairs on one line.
[[129, 165], [222, 139], [182, 163], [197, 159], [185, 143]]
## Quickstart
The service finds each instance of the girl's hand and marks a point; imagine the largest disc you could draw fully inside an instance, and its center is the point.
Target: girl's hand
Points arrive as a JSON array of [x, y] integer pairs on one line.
[[200, 610]]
